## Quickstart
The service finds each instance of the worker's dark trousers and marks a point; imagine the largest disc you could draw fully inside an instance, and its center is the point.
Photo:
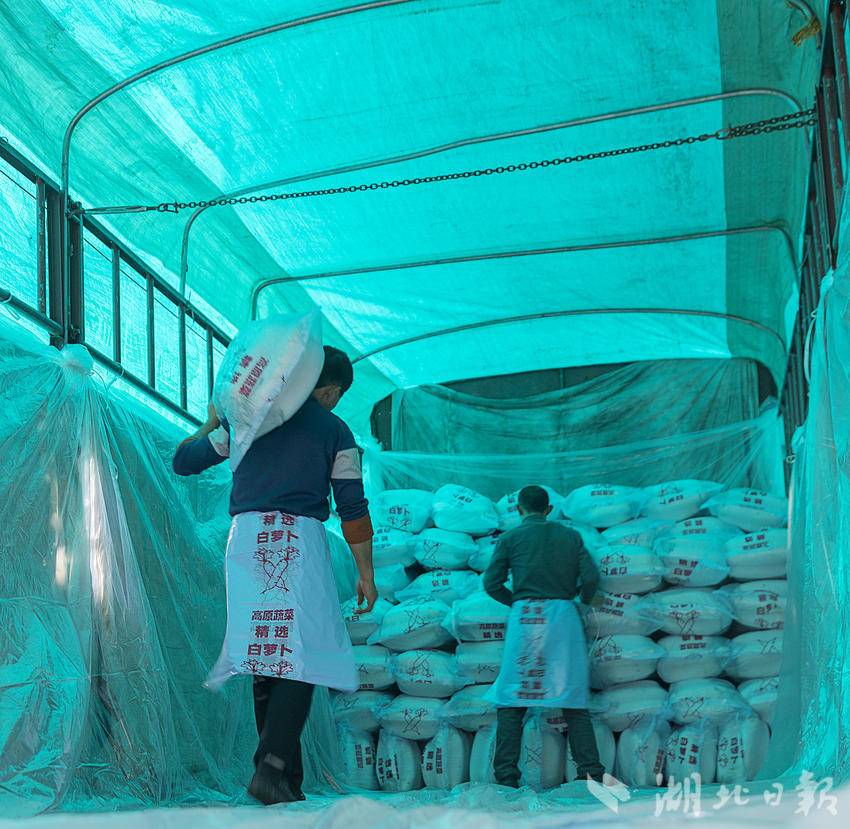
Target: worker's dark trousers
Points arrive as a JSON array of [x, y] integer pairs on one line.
[[509, 739], [281, 707]]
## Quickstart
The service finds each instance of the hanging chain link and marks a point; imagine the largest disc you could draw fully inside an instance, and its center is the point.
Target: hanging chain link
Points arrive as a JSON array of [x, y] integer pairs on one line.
[[793, 120]]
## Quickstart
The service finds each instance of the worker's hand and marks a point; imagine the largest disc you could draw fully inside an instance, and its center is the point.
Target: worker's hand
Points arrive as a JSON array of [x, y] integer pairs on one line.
[[212, 418], [367, 595]]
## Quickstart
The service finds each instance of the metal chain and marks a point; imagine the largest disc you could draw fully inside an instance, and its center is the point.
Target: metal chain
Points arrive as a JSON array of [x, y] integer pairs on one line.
[[794, 120]]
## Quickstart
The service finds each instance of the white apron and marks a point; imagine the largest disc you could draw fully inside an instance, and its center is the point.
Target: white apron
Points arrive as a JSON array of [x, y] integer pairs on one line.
[[283, 615], [545, 663]]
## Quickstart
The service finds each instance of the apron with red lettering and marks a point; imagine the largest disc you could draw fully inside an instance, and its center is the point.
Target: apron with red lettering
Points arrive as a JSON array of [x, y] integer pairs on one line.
[[283, 614]]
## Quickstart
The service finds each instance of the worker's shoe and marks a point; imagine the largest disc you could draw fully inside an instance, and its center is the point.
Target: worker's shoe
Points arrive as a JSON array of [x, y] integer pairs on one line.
[[270, 785]]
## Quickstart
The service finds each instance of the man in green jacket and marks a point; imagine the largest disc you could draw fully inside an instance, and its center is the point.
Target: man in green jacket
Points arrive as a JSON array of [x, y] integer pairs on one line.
[[545, 663]]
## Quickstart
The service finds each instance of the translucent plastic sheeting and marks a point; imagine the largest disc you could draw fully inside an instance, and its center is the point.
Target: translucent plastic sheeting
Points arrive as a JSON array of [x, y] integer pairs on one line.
[[746, 453], [381, 83], [815, 687], [635, 403], [112, 606]]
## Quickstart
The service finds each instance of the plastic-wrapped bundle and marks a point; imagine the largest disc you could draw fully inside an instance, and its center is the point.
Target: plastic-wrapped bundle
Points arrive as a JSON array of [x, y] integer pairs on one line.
[[741, 749], [692, 657], [389, 580], [359, 711], [478, 618], [623, 706], [362, 625], [428, 674], [693, 552], [605, 744], [444, 550], [402, 509], [390, 547], [696, 611], [762, 555], [692, 750], [627, 569], [603, 505], [468, 710], [445, 759], [622, 658], [374, 667], [617, 613], [484, 549], [590, 536], [269, 370], [483, 755], [398, 764], [417, 623], [462, 510], [749, 509], [358, 759], [704, 699], [480, 661], [678, 500], [414, 718], [755, 655], [508, 508], [642, 752], [759, 604], [640, 532], [761, 695], [446, 585], [542, 757]]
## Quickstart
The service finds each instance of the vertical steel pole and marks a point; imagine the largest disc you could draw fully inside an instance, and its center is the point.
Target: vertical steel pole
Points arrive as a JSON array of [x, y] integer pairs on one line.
[[41, 242], [181, 357], [837, 20], [55, 251], [74, 282], [210, 364], [151, 333], [116, 304]]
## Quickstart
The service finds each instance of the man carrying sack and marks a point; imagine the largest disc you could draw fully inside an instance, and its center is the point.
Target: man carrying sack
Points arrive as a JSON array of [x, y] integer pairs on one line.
[[284, 624], [545, 663]]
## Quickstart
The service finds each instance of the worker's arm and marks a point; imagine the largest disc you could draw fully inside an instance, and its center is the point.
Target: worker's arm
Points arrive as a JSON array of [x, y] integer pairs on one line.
[[209, 446], [353, 510], [496, 573], [588, 574]]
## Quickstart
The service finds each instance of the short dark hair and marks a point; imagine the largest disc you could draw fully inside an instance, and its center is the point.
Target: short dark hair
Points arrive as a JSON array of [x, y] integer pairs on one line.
[[337, 370], [534, 499]]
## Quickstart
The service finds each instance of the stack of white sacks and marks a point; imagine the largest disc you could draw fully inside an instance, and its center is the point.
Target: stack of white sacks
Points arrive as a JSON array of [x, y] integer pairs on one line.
[[685, 646]]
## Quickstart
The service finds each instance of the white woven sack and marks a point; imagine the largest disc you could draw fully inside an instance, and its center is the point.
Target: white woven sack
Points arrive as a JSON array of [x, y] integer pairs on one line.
[[267, 373], [444, 550], [483, 555], [759, 604], [627, 568], [423, 673], [617, 613], [622, 658], [480, 661], [590, 536], [445, 759], [362, 625], [446, 585], [678, 500], [761, 695], [459, 509], [358, 759], [478, 618], [741, 749], [398, 764], [468, 710], [402, 509], [374, 667], [623, 706], [704, 699], [483, 755], [414, 718], [391, 547], [390, 580], [642, 753], [603, 505], [358, 711], [692, 657], [692, 753], [755, 655], [761, 555], [640, 532], [749, 509], [542, 757], [697, 611], [414, 624]]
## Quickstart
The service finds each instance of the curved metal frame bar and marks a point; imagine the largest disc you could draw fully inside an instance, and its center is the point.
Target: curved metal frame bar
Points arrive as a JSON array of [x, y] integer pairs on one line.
[[466, 142], [482, 257], [471, 326]]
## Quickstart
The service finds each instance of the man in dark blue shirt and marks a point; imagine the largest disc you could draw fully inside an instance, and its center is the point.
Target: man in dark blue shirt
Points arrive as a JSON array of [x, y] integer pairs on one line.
[[292, 470]]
